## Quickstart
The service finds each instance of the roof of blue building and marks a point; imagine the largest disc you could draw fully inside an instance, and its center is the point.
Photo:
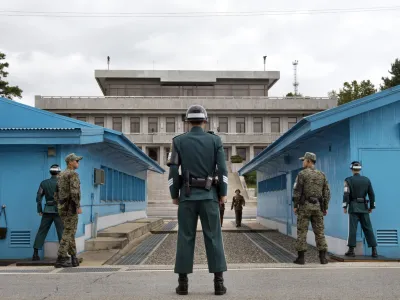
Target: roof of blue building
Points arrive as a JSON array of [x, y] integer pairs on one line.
[[312, 124], [23, 124]]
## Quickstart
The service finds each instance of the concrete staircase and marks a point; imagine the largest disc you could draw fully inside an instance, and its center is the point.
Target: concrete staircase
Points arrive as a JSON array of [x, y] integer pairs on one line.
[[117, 237], [160, 203]]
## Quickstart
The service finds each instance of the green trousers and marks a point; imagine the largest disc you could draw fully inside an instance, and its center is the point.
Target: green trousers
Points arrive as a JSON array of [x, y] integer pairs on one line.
[[67, 243], [188, 213], [45, 224], [366, 226]]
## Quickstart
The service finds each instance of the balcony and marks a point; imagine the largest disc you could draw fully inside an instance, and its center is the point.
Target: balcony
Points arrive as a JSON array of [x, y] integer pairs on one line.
[[227, 138], [122, 104]]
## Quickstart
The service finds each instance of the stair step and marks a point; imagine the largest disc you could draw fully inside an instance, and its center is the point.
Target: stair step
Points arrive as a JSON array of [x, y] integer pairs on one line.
[[105, 243]]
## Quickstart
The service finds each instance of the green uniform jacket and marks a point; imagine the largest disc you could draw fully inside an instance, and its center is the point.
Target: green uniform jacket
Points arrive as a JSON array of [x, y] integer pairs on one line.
[[358, 186], [238, 202], [199, 152], [47, 188], [69, 190]]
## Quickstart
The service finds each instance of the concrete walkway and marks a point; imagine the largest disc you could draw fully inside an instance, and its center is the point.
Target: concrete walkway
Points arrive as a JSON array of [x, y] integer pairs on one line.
[[336, 281]]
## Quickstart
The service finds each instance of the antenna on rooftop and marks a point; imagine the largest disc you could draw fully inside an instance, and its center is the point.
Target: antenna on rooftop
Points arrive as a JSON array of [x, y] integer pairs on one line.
[[265, 57], [295, 83], [108, 62]]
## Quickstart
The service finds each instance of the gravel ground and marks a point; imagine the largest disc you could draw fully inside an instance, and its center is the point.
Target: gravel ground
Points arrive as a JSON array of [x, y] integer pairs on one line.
[[288, 243], [238, 249]]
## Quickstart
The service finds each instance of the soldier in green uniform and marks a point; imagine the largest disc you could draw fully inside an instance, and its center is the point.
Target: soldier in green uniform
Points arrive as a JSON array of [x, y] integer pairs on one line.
[[238, 203], [311, 197], [356, 188], [50, 213], [222, 211], [200, 155], [68, 197]]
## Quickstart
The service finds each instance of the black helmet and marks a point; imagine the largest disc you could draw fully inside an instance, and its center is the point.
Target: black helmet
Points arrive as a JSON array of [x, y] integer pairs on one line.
[[196, 113], [355, 165], [55, 169]]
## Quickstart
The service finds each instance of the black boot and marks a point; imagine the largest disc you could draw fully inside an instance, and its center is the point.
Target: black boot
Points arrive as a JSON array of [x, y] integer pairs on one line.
[[183, 286], [62, 262], [350, 252], [219, 287], [35, 256], [374, 252], [74, 261], [300, 258], [322, 257]]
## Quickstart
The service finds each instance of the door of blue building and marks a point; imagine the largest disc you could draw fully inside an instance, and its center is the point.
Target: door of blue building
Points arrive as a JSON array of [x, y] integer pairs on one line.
[[20, 176], [381, 166]]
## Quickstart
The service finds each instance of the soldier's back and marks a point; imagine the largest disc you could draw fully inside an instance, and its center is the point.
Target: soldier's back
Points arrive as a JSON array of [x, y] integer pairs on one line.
[[197, 151], [313, 182]]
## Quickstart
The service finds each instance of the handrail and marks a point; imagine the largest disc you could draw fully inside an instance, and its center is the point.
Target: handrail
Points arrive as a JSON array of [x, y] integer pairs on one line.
[[186, 97]]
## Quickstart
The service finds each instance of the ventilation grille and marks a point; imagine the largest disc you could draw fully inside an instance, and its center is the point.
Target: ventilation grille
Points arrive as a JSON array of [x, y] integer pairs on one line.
[[387, 237], [20, 238]]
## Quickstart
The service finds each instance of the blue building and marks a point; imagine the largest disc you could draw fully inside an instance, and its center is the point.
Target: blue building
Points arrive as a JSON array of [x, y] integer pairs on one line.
[[31, 140], [366, 130]]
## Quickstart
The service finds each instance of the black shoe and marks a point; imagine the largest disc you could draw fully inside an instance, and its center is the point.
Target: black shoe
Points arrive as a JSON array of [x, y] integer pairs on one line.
[[74, 261], [35, 256], [322, 257], [219, 287], [374, 252], [62, 262], [300, 258], [350, 252], [183, 286]]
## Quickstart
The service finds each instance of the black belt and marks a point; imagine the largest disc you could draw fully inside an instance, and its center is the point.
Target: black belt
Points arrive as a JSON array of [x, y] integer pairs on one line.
[[200, 182], [313, 200], [359, 200], [51, 203]]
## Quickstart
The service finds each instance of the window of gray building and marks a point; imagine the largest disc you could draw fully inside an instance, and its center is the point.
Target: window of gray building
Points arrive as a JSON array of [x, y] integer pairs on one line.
[[166, 154], [153, 124], [241, 152], [291, 122], [135, 125], [99, 121], [240, 125], [226, 152], [117, 123], [275, 124], [83, 119], [170, 124], [223, 124], [258, 125], [257, 150]]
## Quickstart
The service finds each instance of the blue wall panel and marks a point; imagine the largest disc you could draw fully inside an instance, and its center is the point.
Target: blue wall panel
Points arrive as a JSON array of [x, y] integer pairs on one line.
[[332, 147]]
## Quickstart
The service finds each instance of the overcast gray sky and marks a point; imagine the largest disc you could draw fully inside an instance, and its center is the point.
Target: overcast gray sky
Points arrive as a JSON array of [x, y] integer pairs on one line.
[[57, 56]]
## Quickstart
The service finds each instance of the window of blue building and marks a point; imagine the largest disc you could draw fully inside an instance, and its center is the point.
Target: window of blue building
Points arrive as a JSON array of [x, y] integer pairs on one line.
[[277, 183], [120, 186]]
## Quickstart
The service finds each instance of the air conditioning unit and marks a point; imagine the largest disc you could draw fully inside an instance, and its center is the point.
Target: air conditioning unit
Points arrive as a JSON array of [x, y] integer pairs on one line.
[[99, 177]]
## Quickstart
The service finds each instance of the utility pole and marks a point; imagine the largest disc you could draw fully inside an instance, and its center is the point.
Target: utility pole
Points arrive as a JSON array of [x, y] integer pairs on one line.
[[108, 63], [265, 57], [295, 83]]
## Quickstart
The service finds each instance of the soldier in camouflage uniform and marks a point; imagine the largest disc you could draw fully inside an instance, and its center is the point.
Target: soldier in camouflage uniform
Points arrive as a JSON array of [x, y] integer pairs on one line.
[[356, 188], [68, 197], [311, 197], [50, 214]]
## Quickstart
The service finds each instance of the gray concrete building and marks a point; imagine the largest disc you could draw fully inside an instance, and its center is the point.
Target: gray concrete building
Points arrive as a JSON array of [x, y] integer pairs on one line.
[[149, 107]]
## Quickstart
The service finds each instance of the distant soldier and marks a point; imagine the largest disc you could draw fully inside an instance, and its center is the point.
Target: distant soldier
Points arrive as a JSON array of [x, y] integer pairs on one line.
[[50, 213], [311, 197], [238, 203], [356, 188], [68, 197], [222, 211], [196, 193]]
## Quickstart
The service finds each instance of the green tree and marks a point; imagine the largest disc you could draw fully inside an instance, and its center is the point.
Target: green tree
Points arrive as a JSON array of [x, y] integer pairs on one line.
[[395, 80], [354, 90], [332, 94], [5, 89], [293, 95]]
